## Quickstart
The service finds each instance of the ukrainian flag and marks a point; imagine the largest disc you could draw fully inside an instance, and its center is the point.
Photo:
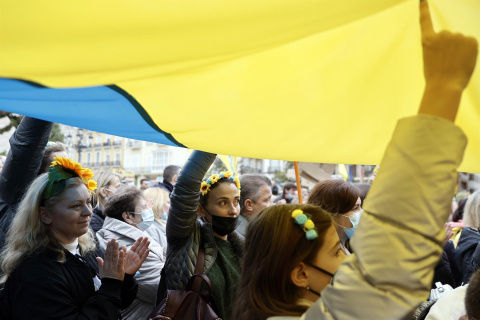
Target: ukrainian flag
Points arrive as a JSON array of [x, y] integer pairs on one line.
[[306, 80]]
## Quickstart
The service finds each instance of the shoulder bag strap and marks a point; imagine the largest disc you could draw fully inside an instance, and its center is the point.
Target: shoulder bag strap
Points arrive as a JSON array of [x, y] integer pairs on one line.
[[199, 266]]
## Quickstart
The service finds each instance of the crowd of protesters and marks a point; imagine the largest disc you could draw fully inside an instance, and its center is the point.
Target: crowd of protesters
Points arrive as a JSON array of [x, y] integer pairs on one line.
[[75, 245]]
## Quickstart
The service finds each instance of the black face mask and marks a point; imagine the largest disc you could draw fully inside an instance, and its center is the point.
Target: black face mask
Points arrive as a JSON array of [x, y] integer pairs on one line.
[[323, 271], [223, 225]]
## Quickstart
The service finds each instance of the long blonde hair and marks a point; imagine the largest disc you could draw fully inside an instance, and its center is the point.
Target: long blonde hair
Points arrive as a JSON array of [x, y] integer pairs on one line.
[[159, 197], [28, 233], [471, 214], [103, 178]]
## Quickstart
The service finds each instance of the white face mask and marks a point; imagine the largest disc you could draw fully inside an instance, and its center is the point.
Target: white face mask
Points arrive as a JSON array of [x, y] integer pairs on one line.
[[148, 217]]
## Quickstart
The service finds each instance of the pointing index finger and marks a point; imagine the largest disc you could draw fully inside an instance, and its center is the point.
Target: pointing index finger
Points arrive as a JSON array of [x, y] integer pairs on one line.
[[426, 24]]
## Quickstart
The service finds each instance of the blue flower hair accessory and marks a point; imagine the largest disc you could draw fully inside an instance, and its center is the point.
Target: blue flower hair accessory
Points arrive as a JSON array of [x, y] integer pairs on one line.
[[305, 222]]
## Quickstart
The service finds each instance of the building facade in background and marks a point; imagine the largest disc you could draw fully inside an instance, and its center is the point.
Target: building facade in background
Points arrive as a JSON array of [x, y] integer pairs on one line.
[[141, 159]]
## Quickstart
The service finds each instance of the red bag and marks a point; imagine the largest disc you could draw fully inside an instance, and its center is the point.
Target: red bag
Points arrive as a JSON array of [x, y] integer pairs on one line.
[[191, 303]]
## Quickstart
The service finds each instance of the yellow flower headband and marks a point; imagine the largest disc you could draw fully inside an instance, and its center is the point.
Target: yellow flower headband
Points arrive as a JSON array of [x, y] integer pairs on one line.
[[62, 169], [206, 185], [306, 223]]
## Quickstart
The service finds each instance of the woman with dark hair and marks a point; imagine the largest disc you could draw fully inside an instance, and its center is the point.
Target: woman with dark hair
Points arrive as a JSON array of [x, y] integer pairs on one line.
[[289, 262], [127, 217], [342, 200], [204, 215]]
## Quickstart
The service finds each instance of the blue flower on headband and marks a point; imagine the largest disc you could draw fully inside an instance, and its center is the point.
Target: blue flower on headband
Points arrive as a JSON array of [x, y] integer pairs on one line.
[[301, 219], [311, 234]]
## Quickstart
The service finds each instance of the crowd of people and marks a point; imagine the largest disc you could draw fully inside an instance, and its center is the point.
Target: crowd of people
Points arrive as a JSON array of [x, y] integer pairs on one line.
[[79, 245]]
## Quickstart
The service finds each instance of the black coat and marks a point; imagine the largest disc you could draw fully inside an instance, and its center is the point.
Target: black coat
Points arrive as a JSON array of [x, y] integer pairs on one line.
[[469, 240], [443, 272], [165, 185], [97, 219], [27, 146], [42, 288]]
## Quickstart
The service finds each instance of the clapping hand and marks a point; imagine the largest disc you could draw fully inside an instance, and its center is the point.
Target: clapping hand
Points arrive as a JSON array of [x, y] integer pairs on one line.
[[112, 266], [136, 255]]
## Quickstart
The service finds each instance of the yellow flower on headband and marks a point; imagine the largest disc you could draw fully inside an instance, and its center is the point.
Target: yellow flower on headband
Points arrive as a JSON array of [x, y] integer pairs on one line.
[[91, 185], [204, 188], [309, 224], [227, 174], [67, 163], [296, 213], [84, 173], [214, 178]]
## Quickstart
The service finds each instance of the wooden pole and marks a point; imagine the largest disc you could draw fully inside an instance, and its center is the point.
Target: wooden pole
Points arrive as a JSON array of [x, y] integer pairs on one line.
[[299, 186]]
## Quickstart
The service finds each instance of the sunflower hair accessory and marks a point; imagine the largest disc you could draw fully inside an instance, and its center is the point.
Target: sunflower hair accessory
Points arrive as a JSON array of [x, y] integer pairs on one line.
[[305, 222], [207, 184], [62, 169]]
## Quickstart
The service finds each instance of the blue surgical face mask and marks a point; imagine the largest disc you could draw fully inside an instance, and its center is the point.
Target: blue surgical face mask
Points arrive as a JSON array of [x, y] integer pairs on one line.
[[164, 216], [354, 219], [148, 217], [290, 196]]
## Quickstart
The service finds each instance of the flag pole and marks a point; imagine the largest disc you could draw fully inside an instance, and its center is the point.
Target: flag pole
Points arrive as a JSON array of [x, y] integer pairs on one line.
[[299, 186]]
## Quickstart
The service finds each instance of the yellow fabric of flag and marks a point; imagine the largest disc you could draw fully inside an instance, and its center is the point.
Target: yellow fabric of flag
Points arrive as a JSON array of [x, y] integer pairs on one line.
[[342, 170], [305, 80], [230, 162]]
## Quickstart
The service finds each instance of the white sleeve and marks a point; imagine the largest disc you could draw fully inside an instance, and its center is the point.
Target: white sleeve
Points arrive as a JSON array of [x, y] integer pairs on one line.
[[399, 239]]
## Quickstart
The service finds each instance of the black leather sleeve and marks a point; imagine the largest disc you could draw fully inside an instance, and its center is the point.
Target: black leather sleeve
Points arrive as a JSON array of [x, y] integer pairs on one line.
[[185, 197]]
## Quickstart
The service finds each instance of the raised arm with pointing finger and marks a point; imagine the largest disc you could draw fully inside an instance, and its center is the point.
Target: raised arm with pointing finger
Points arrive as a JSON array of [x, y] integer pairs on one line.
[[399, 240]]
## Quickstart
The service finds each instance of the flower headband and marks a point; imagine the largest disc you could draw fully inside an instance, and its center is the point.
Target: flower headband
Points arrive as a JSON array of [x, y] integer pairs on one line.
[[205, 187], [306, 223], [62, 169]]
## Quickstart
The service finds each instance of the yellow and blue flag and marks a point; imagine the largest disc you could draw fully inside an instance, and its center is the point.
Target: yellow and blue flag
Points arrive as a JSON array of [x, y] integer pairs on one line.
[[305, 80]]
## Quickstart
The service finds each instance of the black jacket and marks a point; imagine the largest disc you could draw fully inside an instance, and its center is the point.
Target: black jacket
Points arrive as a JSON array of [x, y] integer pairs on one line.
[[469, 240], [27, 146], [165, 185], [443, 272], [42, 288], [97, 219]]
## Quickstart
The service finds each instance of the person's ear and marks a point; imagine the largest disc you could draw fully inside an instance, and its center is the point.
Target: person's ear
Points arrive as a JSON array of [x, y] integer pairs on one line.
[[174, 178], [299, 275], [128, 218], [248, 205], [45, 216]]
